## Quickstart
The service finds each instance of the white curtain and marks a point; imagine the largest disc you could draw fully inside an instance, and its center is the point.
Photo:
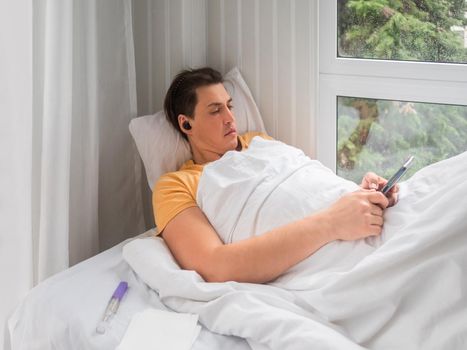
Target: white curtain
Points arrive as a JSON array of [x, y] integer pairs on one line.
[[70, 174]]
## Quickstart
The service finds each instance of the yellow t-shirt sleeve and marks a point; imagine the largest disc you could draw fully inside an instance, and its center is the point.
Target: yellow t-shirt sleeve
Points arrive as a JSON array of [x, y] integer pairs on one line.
[[172, 194]]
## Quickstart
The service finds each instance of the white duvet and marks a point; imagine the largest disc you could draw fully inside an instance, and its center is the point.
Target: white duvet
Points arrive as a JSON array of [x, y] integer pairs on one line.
[[404, 290]]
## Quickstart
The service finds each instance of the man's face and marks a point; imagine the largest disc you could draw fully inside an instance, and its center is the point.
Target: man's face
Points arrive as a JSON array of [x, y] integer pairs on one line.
[[213, 126]]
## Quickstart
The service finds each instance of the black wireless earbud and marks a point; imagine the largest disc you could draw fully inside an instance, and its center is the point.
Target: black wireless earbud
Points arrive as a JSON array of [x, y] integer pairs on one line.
[[186, 125]]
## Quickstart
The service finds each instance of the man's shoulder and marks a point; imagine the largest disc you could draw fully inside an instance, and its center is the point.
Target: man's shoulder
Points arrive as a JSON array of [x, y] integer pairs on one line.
[[185, 176]]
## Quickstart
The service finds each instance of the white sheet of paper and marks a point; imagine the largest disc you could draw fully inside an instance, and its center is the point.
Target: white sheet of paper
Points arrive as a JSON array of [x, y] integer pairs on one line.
[[157, 329]]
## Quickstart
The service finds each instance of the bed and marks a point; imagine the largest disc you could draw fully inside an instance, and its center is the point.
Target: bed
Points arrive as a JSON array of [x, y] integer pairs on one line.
[[63, 311], [406, 289]]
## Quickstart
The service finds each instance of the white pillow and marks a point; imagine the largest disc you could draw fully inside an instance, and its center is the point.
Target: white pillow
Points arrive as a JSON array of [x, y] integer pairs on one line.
[[163, 149]]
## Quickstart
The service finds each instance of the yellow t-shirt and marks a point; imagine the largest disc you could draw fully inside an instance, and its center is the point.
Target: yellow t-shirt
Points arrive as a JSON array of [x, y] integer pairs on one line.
[[176, 191]]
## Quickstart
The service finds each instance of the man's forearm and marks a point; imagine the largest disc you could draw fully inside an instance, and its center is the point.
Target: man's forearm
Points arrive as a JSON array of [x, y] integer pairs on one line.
[[263, 258]]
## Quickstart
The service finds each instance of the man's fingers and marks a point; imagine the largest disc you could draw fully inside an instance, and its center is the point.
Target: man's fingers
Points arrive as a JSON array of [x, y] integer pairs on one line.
[[394, 189], [393, 199], [371, 181], [378, 198], [377, 220], [376, 210]]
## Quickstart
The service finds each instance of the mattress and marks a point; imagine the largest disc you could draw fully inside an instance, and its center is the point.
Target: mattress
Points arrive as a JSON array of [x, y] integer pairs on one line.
[[63, 311]]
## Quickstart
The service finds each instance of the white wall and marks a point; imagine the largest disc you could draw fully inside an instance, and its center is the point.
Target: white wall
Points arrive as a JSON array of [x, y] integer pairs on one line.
[[273, 42], [169, 36]]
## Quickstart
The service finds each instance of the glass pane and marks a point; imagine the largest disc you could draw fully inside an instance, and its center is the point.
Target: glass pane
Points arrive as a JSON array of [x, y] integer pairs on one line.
[[379, 135], [410, 30]]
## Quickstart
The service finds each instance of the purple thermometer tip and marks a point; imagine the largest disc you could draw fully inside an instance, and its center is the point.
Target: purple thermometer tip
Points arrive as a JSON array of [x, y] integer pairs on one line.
[[120, 291]]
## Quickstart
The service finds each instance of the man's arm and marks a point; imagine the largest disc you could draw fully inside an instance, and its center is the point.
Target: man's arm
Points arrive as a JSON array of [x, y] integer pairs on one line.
[[196, 245]]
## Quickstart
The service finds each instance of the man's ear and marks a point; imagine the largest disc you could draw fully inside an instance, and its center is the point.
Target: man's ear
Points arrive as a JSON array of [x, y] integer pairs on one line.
[[184, 123]]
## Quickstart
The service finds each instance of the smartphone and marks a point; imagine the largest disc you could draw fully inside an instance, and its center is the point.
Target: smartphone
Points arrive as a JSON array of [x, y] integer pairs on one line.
[[397, 176]]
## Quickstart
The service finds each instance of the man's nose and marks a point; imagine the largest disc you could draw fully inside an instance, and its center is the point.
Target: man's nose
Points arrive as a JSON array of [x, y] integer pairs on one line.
[[229, 117]]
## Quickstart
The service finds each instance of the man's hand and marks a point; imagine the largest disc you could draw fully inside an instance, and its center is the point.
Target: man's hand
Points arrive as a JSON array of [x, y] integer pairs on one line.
[[371, 181], [357, 215]]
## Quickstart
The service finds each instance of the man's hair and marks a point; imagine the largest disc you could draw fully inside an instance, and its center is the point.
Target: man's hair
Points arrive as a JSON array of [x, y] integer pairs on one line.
[[181, 97]]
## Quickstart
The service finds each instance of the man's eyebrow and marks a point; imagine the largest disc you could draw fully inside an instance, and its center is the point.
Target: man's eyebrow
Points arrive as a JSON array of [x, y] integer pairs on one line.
[[219, 103]]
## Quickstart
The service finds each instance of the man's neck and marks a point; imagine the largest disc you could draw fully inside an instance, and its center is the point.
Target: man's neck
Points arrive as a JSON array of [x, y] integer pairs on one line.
[[206, 156]]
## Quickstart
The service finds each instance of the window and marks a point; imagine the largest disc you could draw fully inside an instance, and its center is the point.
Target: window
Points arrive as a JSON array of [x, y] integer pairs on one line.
[[430, 132], [416, 104], [431, 31]]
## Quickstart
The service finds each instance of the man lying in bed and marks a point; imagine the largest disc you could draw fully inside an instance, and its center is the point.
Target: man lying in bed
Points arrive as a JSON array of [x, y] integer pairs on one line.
[[199, 107]]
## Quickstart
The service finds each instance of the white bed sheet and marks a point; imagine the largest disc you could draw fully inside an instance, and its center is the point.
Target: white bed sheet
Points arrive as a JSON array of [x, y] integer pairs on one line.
[[406, 289], [63, 311]]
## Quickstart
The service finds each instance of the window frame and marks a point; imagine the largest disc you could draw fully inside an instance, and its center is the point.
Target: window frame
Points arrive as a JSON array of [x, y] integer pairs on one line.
[[443, 83]]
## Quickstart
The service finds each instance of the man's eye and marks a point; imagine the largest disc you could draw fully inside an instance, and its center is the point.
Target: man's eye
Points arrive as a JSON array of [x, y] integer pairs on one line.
[[230, 107], [215, 111]]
